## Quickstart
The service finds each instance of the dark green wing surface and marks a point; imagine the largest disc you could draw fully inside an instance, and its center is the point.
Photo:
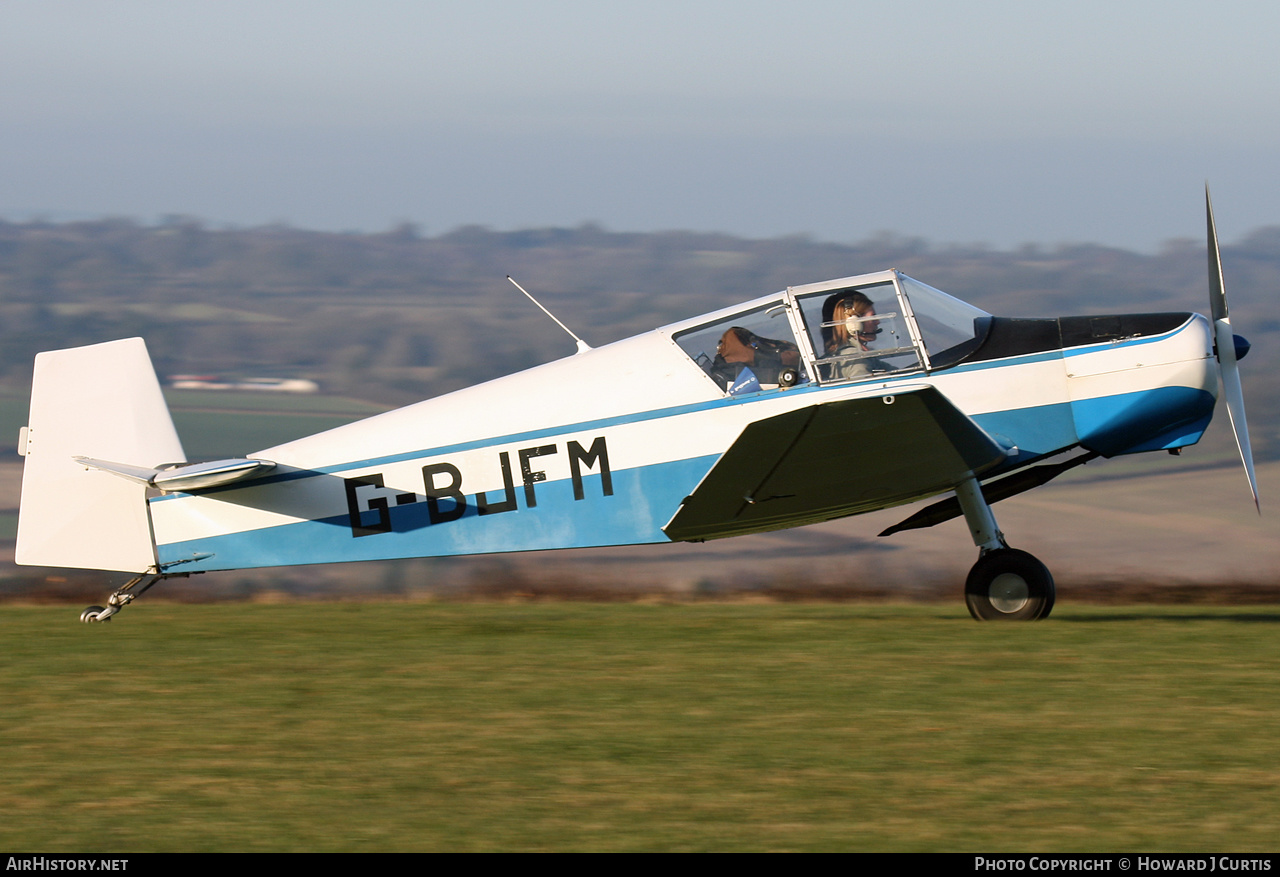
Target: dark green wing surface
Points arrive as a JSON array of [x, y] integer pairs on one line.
[[835, 459]]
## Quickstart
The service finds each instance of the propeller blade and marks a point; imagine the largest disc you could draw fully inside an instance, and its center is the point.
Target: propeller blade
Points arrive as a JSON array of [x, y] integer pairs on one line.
[[1225, 349]]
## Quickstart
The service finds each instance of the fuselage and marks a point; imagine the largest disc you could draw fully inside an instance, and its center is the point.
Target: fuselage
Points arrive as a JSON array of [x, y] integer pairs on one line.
[[601, 448]]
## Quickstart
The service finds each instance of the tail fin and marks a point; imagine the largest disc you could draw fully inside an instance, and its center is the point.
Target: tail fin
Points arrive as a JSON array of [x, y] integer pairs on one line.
[[101, 401]]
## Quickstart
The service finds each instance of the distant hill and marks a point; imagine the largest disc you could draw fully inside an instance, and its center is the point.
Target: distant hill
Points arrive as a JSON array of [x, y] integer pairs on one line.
[[396, 317]]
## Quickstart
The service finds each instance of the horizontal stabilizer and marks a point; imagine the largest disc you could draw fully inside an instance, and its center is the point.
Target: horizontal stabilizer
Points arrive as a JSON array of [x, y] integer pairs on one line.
[[196, 476], [835, 459]]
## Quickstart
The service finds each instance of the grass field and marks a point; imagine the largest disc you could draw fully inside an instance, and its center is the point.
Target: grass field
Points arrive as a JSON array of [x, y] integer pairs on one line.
[[568, 726]]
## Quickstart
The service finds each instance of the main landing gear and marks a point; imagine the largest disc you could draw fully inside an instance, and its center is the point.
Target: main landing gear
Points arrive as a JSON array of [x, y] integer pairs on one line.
[[120, 599], [1005, 584]]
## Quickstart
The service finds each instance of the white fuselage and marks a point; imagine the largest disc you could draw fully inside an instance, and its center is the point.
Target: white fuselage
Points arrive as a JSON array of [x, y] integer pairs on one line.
[[600, 448]]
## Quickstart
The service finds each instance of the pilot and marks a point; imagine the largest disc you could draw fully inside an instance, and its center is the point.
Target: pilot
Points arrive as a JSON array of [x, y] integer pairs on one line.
[[851, 332], [766, 357]]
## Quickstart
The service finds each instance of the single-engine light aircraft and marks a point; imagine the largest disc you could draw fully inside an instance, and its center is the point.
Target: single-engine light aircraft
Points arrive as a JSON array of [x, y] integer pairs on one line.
[[814, 403]]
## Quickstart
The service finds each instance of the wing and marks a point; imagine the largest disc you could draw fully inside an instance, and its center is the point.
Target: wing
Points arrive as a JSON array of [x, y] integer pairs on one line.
[[835, 459]]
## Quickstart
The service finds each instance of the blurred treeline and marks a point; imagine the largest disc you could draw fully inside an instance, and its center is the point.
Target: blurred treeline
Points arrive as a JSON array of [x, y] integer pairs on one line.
[[398, 316]]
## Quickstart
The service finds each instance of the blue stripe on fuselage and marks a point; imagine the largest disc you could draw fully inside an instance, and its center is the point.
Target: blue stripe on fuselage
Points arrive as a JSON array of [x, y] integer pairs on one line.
[[1148, 420], [1030, 433], [643, 500]]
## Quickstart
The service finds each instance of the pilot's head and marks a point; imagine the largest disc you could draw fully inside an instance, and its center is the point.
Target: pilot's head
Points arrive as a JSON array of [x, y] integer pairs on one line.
[[853, 310], [736, 345]]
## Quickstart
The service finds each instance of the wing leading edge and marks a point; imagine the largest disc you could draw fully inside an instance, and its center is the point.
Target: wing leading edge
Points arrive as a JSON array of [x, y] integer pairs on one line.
[[835, 459]]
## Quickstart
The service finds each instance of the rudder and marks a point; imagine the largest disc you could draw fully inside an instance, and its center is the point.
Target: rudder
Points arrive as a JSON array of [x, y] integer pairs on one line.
[[102, 401]]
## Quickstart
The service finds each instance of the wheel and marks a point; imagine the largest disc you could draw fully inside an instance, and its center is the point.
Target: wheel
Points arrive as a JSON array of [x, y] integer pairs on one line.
[[1009, 585], [91, 614]]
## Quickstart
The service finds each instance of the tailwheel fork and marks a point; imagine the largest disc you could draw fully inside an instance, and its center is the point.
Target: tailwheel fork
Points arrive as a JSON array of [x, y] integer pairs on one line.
[[121, 598]]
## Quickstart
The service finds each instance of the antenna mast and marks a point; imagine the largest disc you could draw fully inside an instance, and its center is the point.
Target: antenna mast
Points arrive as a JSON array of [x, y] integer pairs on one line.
[[583, 346]]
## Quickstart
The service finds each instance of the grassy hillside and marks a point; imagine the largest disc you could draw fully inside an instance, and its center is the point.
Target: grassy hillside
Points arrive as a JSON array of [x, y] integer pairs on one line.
[[397, 317]]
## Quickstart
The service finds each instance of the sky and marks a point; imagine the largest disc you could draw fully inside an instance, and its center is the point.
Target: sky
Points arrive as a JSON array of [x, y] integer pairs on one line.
[[984, 122]]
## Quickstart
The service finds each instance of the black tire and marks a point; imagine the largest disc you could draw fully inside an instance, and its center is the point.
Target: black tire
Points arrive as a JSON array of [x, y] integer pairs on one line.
[[1009, 585]]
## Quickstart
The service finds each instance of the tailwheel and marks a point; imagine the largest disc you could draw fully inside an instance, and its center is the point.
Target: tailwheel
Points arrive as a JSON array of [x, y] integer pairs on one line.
[[1009, 585], [94, 613]]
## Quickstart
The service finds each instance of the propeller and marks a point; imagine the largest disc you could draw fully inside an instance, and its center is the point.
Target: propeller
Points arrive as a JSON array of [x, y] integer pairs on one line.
[[1228, 348]]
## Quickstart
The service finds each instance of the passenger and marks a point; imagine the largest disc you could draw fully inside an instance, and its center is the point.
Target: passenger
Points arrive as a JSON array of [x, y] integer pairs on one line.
[[847, 332]]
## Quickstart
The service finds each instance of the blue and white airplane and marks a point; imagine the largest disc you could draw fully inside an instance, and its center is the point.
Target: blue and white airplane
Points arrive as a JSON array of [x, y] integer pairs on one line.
[[814, 403]]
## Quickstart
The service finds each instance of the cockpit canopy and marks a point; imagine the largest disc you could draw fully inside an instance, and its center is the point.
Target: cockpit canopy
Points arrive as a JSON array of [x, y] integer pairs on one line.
[[852, 329]]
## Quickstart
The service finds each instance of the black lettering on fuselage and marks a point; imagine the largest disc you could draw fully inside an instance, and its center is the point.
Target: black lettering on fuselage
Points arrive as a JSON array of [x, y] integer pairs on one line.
[[530, 477], [379, 504], [450, 491], [508, 484], [598, 453], [443, 481]]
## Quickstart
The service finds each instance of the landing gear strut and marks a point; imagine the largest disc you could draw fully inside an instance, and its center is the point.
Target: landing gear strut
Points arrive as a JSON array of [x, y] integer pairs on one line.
[[120, 599], [1005, 584]]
